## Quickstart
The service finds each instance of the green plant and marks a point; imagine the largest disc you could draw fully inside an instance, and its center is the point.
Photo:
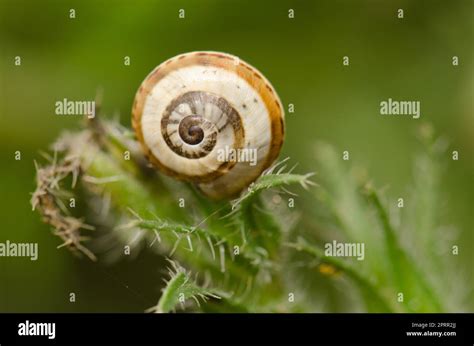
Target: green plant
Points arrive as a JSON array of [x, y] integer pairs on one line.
[[256, 253]]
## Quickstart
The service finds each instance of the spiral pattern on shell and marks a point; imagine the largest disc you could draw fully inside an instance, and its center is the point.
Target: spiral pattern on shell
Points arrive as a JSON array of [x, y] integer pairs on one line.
[[198, 114]]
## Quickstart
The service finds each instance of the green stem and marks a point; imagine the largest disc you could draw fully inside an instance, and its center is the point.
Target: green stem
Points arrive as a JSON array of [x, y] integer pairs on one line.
[[405, 270]]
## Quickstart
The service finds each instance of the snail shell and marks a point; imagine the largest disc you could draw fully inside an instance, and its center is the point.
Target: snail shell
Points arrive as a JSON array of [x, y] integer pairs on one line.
[[193, 108]]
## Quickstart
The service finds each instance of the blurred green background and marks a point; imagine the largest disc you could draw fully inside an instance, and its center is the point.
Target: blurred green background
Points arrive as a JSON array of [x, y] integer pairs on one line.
[[405, 59]]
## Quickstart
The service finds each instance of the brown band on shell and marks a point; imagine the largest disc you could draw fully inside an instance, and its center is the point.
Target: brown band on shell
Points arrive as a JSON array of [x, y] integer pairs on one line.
[[198, 123], [190, 129]]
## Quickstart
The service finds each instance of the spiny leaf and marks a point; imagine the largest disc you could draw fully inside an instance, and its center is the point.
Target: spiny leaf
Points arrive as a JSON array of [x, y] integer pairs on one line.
[[181, 288], [258, 224], [269, 181], [180, 230], [48, 200]]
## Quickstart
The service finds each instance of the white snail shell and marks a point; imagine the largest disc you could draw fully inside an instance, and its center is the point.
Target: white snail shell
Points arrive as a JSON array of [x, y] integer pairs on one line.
[[195, 106]]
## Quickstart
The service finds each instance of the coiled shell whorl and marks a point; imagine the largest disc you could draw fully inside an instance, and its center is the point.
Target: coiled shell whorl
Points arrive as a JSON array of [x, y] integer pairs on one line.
[[211, 119]]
